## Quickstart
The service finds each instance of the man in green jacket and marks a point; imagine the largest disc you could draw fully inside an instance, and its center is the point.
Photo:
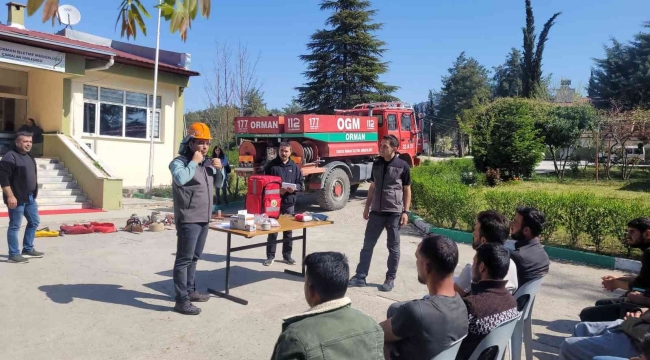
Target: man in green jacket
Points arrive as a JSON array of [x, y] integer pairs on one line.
[[331, 329]]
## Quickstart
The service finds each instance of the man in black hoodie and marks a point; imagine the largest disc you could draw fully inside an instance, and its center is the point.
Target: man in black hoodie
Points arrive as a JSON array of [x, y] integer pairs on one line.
[[289, 171]]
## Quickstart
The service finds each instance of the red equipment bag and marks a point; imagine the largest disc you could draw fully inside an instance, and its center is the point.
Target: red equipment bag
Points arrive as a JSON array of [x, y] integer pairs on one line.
[[263, 195], [77, 229], [104, 228]]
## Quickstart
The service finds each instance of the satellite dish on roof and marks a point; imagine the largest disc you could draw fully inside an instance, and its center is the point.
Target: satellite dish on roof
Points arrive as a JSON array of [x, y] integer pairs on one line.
[[68, 15]]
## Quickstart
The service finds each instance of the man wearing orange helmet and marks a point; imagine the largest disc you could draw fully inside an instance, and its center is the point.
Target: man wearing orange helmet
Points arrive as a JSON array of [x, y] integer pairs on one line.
[[193, 179]]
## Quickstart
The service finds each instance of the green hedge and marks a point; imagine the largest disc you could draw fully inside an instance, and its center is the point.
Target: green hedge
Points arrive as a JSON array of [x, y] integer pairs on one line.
[[580, 220]]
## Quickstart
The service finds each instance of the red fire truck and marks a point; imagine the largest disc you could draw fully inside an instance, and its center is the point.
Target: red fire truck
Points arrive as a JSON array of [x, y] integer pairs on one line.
[[334, 152]]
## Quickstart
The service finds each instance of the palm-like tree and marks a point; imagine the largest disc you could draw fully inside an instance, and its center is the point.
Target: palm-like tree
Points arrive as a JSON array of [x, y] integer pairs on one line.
[[131, 13]]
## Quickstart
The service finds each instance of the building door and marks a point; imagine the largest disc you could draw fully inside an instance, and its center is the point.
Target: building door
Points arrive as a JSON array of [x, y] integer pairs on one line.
[[13, 106]]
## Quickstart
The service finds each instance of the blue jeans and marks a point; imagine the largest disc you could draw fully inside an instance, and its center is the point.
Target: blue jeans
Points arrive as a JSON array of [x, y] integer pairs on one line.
[[30, 211], [608, 358], [591, 339]]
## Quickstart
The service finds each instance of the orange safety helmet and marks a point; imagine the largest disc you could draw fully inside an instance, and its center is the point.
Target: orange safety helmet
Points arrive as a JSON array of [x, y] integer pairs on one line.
[[199, 131]]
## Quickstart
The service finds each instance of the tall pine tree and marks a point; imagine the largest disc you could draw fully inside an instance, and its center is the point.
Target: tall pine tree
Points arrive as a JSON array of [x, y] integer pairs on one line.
[[345, 61], [465, 88], [532, 64], [622, 78], [507, 77]]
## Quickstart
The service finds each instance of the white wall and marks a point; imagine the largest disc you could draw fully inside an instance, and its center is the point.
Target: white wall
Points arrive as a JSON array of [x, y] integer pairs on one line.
[[129, 158]]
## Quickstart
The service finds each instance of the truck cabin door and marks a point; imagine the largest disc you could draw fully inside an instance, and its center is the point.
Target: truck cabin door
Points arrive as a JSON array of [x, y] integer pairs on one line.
[[390, 125], [407, 141]]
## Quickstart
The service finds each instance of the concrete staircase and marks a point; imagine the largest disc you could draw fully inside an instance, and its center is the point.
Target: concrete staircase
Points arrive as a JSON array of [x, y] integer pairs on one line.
[[57, 189]]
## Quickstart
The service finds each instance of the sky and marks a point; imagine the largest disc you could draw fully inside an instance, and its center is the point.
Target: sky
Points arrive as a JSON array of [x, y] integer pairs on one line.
[[423, 37]]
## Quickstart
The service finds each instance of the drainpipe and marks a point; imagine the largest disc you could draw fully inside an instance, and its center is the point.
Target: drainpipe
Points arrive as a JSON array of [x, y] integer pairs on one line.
[[106, 66]]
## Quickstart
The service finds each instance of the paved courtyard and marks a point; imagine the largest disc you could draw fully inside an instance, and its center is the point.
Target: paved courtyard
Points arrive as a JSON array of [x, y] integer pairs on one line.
[[110, 296]]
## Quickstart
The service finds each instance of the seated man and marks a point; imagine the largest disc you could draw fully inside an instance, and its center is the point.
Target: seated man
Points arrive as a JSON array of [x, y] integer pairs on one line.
[[331, 328], [638, 236], [645, 352], [620, 338], [491, 227], [529, 255], [489, 304], [421, 329]]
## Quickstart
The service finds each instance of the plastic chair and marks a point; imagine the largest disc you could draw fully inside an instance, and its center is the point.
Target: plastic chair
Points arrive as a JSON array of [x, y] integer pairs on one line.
[[498, 337], [524, 329], [451, 352]]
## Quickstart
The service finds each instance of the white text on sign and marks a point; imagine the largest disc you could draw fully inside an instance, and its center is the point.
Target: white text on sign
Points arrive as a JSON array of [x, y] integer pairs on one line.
[[293, 123], [353, 151], [348, 123]]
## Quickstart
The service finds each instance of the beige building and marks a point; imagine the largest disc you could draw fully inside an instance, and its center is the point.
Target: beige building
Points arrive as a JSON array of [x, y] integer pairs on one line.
[[93, 99]]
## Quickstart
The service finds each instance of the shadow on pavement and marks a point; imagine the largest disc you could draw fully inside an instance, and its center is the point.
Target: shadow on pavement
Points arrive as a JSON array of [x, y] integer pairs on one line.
[[218, 258], [560, 326], [542, 355], [112, 294], [550, 340], [239, 276]]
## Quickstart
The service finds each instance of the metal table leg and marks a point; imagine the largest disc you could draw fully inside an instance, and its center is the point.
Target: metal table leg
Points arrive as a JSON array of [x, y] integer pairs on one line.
[[226, 294]]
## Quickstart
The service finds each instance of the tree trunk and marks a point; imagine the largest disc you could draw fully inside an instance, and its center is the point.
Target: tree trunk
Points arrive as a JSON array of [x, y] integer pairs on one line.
[[557, 169], [460, 144]]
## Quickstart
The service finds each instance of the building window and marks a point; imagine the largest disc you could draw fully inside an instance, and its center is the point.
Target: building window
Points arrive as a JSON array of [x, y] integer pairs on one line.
[[90, 115], [119, 113]]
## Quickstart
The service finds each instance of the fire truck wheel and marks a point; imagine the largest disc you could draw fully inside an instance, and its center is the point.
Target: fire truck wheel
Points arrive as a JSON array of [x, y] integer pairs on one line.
[[335, 193], [354, 188]]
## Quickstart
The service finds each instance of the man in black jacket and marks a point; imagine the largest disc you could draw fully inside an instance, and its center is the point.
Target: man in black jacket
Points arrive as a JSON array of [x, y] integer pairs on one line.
[[289, 171], [19, 190]]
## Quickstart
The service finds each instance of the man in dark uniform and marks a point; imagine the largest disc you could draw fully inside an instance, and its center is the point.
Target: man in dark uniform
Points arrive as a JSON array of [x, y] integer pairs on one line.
[[387, 206], [289, 171]]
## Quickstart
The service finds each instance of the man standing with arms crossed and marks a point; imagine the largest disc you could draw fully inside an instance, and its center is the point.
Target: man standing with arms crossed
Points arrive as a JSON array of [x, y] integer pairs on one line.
[[387, 206], [193, 189], [19, 190]]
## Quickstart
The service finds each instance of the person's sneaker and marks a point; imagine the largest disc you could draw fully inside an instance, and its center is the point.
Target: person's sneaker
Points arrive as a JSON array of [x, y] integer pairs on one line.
[[268, 261], [199, 297], [186, 308], [32, 254], [388, 285], [18, 259], [357, 282], [290, 261]]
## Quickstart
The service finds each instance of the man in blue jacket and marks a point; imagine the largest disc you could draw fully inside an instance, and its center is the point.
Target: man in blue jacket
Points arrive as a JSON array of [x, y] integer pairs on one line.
[[289, 171], [192, 187]]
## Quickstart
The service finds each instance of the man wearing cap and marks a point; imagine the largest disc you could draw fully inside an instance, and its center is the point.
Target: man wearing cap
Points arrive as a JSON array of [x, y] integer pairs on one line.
[[193, 179]]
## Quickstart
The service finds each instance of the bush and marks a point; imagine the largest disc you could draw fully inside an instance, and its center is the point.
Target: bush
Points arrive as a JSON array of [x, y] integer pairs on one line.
[[438, 190], [574, 214], [505, 137], [493, 177], [505, 202], [599, 220], [441, 197]]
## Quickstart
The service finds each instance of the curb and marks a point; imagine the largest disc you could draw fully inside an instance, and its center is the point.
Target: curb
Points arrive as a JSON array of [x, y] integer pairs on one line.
[[604, 261]]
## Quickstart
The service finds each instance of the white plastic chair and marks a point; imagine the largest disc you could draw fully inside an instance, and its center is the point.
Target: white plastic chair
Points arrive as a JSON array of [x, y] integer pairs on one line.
[[498, 337], [524, 329], [451, 352]]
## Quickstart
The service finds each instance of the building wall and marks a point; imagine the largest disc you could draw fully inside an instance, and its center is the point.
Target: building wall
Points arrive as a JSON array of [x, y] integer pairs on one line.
[[128, 159], [45, 92]]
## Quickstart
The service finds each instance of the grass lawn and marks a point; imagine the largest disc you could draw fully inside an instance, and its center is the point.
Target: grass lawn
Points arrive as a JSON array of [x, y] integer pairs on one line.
[[637, 188]]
